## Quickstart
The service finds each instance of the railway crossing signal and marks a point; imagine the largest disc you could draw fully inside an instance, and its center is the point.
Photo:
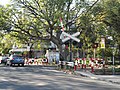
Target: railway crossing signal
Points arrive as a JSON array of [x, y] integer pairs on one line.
[[71, 36]]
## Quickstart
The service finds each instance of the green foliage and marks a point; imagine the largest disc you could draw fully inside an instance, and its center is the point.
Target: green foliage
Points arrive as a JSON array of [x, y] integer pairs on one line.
[[33, 21], [113, 14], [4, 19]]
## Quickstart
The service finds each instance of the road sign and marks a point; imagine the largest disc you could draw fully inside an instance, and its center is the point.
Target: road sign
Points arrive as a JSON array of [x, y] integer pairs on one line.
[[103, 43], [70, 36], [67, 38], [62, 36]]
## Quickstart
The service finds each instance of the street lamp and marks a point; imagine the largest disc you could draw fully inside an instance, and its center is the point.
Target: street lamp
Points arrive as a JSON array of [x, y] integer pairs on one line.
[[113, 47], [113, 59], [102, 44]]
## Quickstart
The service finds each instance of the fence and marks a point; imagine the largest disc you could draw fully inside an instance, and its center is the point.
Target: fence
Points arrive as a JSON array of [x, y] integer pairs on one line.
[[83, 63]]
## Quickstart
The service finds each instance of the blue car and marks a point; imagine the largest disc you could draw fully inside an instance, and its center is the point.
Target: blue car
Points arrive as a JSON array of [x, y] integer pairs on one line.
[[16, 59]]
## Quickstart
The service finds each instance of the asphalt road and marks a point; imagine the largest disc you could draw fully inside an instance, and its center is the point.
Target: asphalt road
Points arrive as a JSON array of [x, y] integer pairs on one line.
[[47, 78]]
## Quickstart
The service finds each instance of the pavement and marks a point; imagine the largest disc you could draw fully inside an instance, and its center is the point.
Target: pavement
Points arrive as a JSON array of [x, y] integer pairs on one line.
[[108, 78]]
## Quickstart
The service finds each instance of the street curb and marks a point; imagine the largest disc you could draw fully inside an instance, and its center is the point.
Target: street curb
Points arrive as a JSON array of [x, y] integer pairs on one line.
[[108, 81], [97, 78], [92, 77]]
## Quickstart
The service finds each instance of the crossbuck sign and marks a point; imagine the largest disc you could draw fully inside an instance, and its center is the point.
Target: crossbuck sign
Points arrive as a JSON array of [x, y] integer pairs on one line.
[[70, 36]]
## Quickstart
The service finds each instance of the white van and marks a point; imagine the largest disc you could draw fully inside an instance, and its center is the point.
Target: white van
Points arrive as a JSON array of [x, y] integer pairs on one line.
[[0, 58], [3, 59]]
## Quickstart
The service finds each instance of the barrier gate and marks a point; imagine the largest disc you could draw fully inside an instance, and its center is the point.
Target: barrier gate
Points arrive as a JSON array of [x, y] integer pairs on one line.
[[89, 63]]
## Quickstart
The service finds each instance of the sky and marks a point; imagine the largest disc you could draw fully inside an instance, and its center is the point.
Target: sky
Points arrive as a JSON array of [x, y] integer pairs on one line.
[[4, 2]]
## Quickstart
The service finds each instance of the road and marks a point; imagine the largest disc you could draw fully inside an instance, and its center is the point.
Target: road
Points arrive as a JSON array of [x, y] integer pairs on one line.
[[47, 78]]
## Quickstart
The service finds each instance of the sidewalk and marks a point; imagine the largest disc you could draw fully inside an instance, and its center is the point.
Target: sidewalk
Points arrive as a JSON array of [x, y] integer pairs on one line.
[[108, 78]]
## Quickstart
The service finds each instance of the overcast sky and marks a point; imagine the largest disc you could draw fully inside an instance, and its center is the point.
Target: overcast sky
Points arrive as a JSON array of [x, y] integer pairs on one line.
[[4, 2]]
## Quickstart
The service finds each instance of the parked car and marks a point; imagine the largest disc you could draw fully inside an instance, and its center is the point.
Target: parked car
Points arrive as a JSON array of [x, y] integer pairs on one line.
[[15, 59]]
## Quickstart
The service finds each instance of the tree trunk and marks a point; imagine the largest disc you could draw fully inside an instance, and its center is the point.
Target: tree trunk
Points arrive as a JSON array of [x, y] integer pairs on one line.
[[119, 53]]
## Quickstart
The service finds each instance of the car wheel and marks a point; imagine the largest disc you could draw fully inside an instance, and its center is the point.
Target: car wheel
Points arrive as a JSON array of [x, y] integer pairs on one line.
[[22, 64], [10, 64]]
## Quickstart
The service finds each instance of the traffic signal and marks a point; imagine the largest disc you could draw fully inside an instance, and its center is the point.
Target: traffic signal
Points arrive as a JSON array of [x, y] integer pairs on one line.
[[95, 45], [66, 44]]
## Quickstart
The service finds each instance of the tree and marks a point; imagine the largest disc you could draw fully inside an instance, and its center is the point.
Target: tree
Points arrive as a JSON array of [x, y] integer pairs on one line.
[[38, 19], [5, 26], [106, 22], [112, 20], [6, 43], [4, 19]]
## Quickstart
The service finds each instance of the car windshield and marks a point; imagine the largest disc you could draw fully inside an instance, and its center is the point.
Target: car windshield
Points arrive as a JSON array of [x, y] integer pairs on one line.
[[17, 57], [3, 58]]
